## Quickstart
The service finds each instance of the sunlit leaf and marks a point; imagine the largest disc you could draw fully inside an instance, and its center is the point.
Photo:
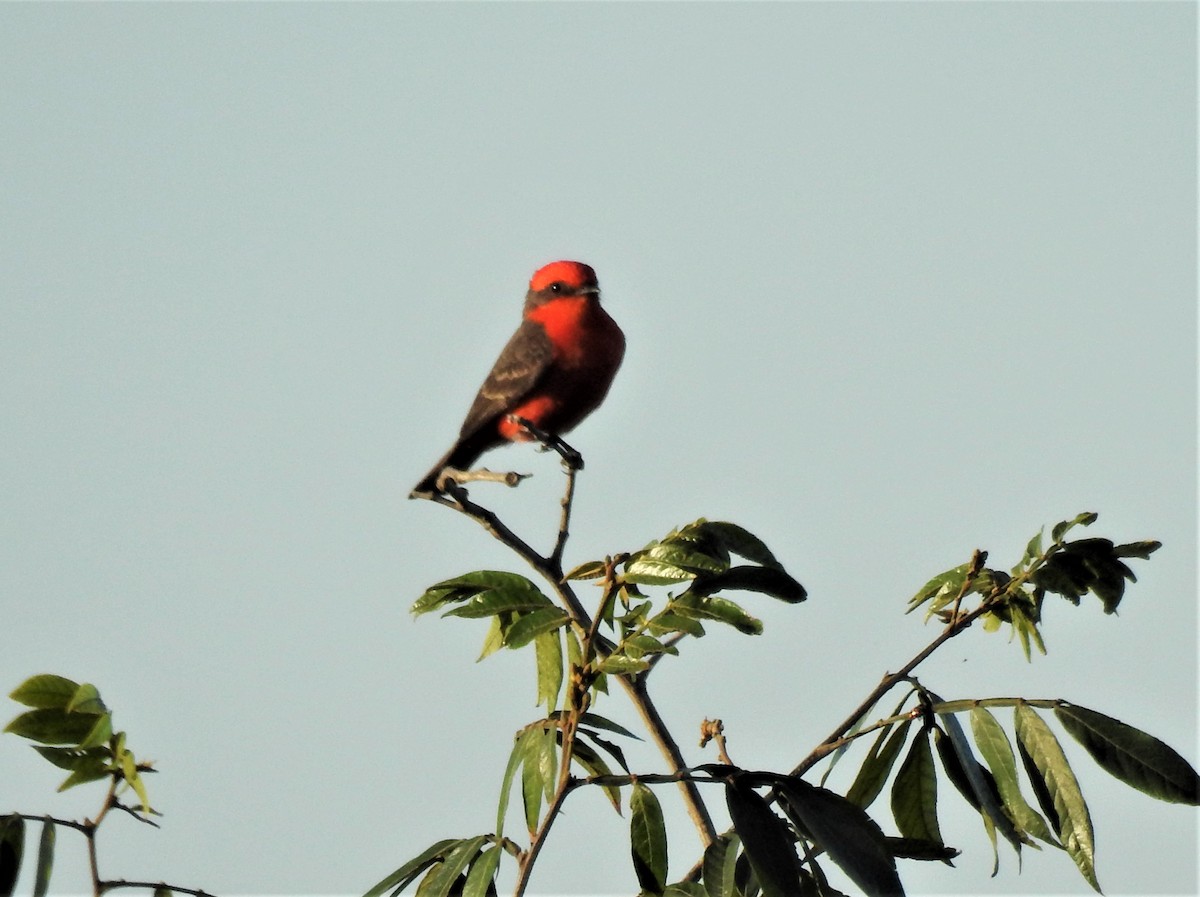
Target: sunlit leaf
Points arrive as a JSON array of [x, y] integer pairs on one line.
[[716, 608], [1087, 518], [45, 691], [1075, 822], [647, 839], [1131, 755], [529, 626], [483, 872], [997, 752], [586, 570], [623, 665], [86, 700], [982, 783], [667, 622], [941, 589]]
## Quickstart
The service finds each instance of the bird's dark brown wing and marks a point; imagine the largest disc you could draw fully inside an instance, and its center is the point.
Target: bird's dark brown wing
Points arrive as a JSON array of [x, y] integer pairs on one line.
[[521, 364]]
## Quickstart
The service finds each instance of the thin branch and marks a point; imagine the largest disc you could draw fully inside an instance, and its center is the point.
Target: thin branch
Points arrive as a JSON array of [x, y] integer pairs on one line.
[[151, 886], [957, 624]]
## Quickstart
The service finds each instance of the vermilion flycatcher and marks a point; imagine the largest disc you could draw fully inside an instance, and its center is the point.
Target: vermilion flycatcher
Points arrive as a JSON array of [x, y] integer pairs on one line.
[[554, 372]]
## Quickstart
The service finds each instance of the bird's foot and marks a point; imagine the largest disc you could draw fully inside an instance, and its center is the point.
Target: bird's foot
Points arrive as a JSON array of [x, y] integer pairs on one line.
[[571, 459]]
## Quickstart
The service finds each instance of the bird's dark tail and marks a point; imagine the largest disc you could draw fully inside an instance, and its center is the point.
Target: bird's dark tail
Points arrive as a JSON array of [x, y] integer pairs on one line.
[[464, 453]]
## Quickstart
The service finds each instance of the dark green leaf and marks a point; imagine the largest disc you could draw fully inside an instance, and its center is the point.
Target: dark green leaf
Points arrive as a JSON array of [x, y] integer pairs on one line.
[[596, 721], [1131, 755], [732, 537], [877, 766], [912, 849], [766, 840], [407, 874], [45, 692], [528, 626], [533, 785], [767, 580], [586, 756], [1141, 550], [994, 745], [603, 744], [914, 794], [850, 837], [1087, 518], [1075, 822], [720, 866], [647, 839], [515, 759], [12, 845], [45, 860], [163, 891], [71, 758], [51, 726], [496, 601]]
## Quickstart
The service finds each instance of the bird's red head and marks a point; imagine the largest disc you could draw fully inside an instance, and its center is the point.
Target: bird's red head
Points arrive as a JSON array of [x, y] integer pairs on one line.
[[568, 278]]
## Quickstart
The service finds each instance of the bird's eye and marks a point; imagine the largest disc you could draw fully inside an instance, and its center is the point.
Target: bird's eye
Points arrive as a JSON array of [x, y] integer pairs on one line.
[[557, 287]]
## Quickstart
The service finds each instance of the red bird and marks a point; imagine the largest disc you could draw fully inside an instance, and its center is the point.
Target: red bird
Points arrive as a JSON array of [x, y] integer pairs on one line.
[[554, 372]]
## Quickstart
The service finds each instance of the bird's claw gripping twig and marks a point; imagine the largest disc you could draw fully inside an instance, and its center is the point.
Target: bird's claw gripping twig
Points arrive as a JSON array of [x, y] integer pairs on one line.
[[570, 458]]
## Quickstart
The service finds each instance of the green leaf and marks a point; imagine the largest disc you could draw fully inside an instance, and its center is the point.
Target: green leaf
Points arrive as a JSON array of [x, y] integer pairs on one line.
[[851, 838], [613, 750], [740, 541], [982, 782], [878, 765], [649, 571], [100, 732], [1131, 755], [942, 589], [45, 859], [998, 753], [51, 726], [648, 839], [596, 721], [515, 759], [720, 866], [594, 764], [548, 648], [163, 891], [914, 794], [685, 555], [529, 626], [45, 692], [494, 640], [408, 873], [86, 700], [586, 570], [623, 665], [483, 872], [668, 622], [538, 773], [1141, 550], [72, 758], [1075, 822], [685, 889], [1087, 518], [12, 845], [767, 580], [716, 608], [766, 840], [470, 585], [442, 877]]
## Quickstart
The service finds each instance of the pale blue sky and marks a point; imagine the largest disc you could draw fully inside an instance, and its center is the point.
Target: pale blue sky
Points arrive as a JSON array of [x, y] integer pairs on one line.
[[898, 280]]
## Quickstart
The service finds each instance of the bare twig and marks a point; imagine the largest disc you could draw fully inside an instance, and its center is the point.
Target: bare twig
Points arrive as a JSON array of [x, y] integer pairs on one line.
[[151, 886]]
